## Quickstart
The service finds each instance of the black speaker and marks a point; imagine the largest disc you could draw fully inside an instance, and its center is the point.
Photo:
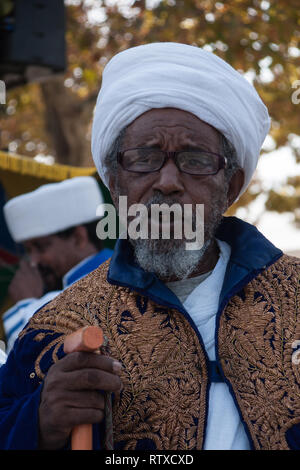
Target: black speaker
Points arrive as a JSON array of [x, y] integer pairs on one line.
[[32, 40]]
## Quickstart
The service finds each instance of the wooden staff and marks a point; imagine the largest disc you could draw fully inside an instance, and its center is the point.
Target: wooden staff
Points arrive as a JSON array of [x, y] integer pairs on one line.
[[89, 339]]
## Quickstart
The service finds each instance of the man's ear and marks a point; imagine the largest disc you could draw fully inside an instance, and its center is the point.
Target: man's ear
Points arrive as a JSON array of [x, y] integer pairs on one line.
[[235, 186]]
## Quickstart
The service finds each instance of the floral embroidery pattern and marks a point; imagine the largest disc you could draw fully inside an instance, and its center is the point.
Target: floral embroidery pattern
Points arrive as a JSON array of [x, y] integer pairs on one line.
[[163, 402], [255, 339]]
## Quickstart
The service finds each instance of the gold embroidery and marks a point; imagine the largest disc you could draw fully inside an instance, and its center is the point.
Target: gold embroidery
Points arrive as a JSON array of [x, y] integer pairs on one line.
[[164, 372], [163, 394], [62, 316], [256, 334]]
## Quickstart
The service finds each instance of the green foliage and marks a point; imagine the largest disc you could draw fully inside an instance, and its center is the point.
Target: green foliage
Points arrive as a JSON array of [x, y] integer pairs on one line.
[[258, 37]]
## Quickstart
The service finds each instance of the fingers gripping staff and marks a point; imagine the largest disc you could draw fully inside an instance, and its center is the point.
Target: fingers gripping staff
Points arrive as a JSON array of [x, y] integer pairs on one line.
[[89, 339]]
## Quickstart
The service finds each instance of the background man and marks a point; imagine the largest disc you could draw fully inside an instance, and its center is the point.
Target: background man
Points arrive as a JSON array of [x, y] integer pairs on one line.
[[200, 343], [57, 225]]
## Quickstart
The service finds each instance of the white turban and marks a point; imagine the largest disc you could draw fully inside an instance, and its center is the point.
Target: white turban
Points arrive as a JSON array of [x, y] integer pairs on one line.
[[161, 75], [53, 207]]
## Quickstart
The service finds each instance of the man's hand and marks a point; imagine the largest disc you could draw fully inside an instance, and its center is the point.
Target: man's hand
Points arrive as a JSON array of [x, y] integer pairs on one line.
[[27, 282], [71, 395]]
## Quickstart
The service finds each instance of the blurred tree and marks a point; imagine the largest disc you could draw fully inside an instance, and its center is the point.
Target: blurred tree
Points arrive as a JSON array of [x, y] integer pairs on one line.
[[260, 38]]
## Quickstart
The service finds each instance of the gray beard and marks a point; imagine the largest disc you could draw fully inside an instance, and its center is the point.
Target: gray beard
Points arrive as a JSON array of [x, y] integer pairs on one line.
[[169, 259]]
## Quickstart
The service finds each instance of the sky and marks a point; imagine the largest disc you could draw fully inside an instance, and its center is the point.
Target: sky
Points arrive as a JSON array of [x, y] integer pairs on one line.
[[273, 169]]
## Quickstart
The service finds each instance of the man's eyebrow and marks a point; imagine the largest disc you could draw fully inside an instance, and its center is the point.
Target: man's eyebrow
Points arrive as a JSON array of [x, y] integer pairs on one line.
[[183, 148], [150, 146], [36, 244], [40, 243], [196, 147]]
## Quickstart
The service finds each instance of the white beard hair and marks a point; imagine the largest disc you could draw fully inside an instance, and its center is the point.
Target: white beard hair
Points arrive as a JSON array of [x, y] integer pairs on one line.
[[175, 262], [169, 258]]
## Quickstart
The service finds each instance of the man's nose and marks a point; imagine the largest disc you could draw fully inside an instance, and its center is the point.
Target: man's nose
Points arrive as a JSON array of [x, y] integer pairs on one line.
[[34, 259], [169, 179]]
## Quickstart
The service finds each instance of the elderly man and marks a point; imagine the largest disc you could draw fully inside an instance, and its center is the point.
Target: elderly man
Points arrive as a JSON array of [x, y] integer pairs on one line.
[[200, 341], [56, 224]]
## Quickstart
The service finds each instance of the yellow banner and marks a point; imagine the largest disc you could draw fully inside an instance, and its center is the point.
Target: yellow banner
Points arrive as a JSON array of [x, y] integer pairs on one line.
[[20, 174]]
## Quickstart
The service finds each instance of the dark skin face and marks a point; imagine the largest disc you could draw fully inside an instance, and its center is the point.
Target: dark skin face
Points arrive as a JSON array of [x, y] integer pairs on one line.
[[173, 129], [49, 259]]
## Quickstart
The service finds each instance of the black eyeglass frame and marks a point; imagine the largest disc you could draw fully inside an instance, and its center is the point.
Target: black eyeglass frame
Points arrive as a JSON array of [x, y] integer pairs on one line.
[[222, 160]]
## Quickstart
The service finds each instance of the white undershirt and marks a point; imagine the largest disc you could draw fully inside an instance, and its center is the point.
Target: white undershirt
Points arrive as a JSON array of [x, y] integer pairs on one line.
[[224, 429]]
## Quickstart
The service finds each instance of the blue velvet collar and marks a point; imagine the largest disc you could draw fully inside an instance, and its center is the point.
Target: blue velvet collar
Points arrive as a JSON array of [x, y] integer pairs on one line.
[[251, 252], [86, 266]]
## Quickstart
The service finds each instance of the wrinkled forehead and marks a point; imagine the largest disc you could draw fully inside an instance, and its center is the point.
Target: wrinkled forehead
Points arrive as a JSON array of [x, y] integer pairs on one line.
[[182, 127]]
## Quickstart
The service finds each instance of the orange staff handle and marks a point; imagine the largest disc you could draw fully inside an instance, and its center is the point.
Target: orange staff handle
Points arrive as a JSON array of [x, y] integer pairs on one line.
[[89, 339]]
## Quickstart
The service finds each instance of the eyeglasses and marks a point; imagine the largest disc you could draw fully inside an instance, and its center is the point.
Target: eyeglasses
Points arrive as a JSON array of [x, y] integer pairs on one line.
[[192, 162]]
